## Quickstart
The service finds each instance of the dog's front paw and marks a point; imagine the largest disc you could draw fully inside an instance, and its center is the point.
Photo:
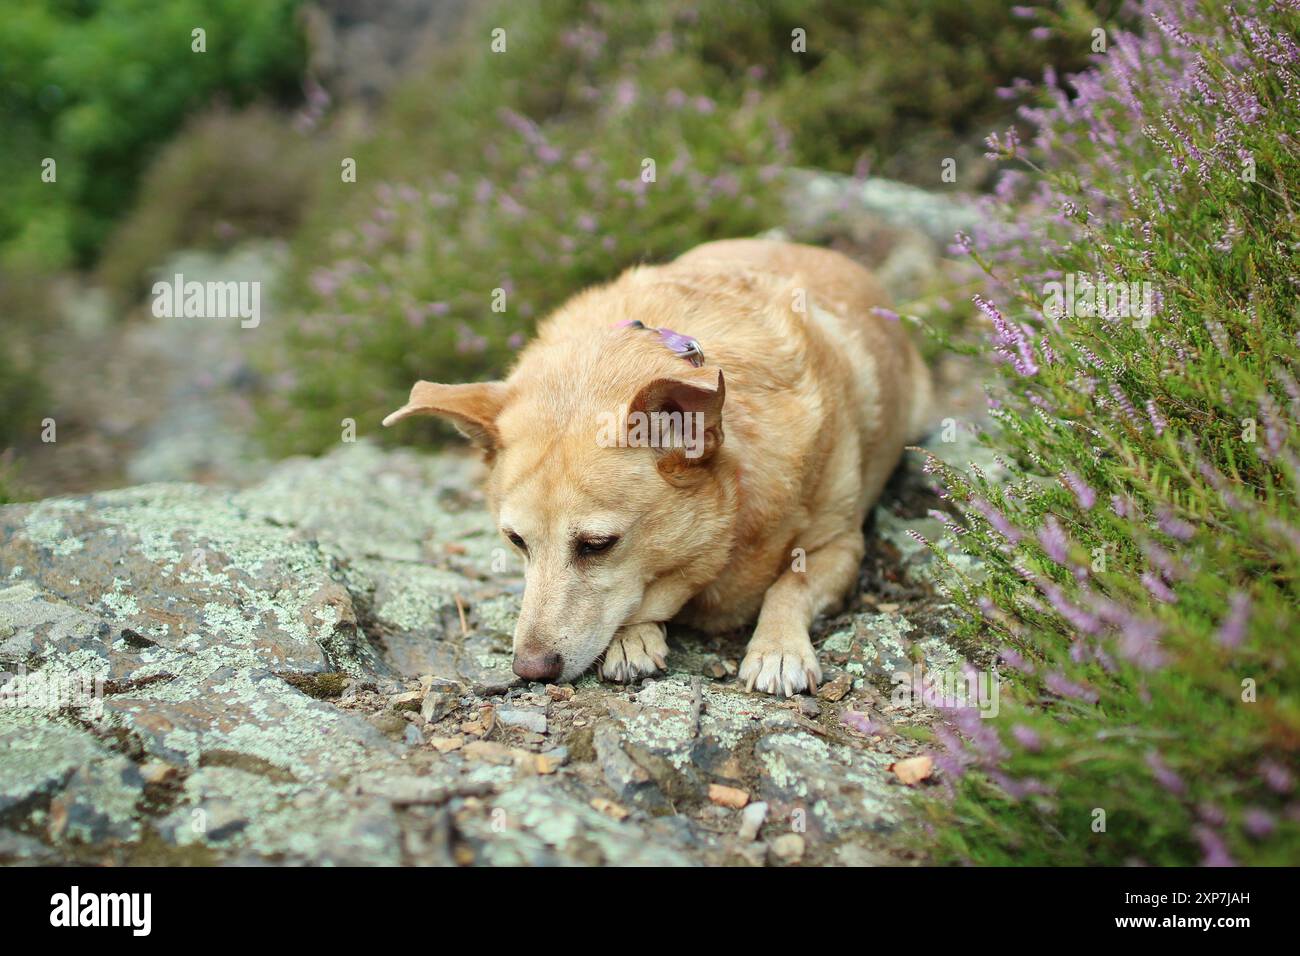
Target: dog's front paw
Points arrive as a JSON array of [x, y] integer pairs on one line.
[[784, 666], [637, 650]]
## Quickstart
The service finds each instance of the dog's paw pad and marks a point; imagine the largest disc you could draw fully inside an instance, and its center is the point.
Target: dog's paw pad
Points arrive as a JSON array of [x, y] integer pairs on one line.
[[637, 650], [784, 669]]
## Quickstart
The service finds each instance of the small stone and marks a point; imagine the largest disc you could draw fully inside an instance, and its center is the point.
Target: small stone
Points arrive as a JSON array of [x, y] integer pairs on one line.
[[749, 854], [610, 808], [436, 705], [527, 719], [390, 725], [551, 760], [410, 700], [913, 769], [728, 796], [887, 608], [809, 707], [156, 771], [446, 744], [716, 670], [751, 821], [489, 751], [413, 737], [562, 692], [836, 689], [787, 848]]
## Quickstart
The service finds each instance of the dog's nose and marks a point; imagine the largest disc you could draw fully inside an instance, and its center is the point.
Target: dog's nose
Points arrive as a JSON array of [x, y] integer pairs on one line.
[[539, 665]]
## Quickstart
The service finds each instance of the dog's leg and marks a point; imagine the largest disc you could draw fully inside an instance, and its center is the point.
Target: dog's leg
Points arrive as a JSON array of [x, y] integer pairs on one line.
[[637, 650], [780, 658]]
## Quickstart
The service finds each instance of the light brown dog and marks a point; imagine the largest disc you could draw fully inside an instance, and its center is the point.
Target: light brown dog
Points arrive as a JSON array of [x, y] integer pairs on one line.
[[747, 503]]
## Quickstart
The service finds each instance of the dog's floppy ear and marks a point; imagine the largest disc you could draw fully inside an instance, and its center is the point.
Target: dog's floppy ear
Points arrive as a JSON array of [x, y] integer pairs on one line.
[[697, 394], [472, 408]]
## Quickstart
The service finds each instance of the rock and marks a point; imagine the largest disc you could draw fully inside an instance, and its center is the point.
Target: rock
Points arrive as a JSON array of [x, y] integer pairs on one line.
[[725, 796], [551, 760], [410, 700], [191, 675], [628, 779], [438, 702], [610, 808], [751, 821], [836, 689], [822, 202], [835, 788], [787, 848], [98, 803], [527, 719], [390, 725]]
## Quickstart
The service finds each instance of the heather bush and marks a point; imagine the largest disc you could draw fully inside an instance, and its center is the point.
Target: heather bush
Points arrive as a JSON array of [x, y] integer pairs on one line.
[[1142, 551], [524, 171]]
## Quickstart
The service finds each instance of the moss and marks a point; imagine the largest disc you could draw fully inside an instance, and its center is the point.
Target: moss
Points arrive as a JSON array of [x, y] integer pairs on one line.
[[327, 686], [581, 744], [246, 762]]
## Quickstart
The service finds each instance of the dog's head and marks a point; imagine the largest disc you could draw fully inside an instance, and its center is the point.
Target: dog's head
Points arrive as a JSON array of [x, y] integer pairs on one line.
[[602, 486]]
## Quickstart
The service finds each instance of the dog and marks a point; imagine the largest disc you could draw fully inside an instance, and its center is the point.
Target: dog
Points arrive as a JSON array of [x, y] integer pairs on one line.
[[783, 402]]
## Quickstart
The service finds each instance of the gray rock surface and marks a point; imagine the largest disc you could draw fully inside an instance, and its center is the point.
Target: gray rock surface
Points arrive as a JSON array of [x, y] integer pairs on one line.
[[316, 669]]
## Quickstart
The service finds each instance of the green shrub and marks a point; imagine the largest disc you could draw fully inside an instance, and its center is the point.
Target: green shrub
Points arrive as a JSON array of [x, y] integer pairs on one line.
[[98, 85], [1144, 558]]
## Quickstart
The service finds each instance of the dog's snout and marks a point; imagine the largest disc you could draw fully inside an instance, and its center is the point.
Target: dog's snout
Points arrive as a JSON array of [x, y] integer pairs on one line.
[[538, 665]]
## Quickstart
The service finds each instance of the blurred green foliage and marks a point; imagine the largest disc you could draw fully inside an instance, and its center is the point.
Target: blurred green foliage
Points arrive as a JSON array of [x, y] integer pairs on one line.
[[521, 169], [226, 177], [98, 85]]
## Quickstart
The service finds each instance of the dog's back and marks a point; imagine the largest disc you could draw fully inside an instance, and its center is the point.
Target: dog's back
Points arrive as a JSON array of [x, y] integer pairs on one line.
[[838, 285], [822, 393]]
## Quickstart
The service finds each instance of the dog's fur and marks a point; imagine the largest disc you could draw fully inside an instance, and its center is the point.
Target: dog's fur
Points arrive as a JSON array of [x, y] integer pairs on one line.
[[807, 398]]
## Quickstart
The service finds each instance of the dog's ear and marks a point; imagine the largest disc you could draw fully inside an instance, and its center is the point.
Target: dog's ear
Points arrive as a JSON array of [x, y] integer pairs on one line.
[[698, 395], [472, 408]]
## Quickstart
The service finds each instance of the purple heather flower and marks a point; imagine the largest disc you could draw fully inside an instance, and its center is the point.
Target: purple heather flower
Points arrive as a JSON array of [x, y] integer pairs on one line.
[[1053, 540], [1174, 526], [1157, 420], [1010, 339], [1013, 658], [1276, 777], [1085, 496], [997, 519], [1027, 737], [1233, 629], [1061, 686], [862, 723], [1157, 588], [1163, 775], [1259, 823], [1216, 851]]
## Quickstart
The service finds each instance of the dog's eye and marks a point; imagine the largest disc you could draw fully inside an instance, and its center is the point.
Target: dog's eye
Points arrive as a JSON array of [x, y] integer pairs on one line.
[[518, 542], [589, 546]]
